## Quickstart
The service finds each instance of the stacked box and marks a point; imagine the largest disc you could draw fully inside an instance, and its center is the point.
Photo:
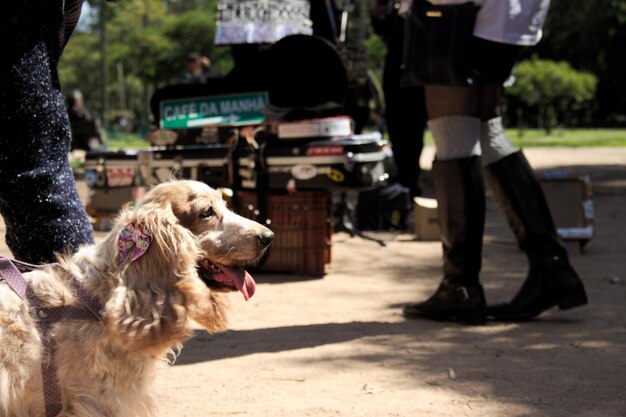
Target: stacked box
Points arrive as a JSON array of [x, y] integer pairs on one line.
[[314, 128], [350, 162], [205, 163], [118, 177], [111, 169], [302, 227], [569, 195], [105, 203], [426, 218]]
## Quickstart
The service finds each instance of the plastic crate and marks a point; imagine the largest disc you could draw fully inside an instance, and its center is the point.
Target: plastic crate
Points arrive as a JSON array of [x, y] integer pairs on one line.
[[302, 227]]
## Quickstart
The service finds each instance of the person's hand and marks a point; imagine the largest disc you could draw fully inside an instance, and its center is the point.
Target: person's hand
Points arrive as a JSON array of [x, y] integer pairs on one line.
[[205, 62], [380, 12]]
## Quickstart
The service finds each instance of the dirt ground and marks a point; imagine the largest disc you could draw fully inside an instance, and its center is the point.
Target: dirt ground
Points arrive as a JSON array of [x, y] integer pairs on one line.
[[339, 346]]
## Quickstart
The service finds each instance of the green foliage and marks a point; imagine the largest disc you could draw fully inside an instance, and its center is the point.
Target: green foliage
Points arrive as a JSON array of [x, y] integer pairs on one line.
[[529, 138], [147, 44], [148, 41], [376, 50], [193, 31], [125, 141], [533, 138], [136, 37], [590, 35], [555, 88], [80, 65]]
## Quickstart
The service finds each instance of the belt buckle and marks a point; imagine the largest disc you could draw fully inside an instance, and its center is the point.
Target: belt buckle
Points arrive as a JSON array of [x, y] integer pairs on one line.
[[464, 293]]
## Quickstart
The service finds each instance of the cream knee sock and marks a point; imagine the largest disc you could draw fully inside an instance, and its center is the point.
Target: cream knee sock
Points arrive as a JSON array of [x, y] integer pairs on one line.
[[493, 141], [455, 136]]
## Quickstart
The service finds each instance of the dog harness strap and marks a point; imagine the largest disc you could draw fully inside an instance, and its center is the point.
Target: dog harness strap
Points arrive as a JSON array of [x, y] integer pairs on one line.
[[12, 276], [25, 266], [88, 300], [45, 317], [54, 314], [53, 398]]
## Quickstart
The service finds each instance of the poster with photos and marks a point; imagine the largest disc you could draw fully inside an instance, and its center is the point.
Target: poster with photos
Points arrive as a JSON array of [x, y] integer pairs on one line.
[[261, 21]]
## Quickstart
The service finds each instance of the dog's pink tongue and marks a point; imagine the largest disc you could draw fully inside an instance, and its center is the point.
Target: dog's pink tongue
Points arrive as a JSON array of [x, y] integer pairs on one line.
[[242, 280]]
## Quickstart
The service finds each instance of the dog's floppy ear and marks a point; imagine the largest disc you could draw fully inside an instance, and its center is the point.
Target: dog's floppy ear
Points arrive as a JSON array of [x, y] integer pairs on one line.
[[156, 262]]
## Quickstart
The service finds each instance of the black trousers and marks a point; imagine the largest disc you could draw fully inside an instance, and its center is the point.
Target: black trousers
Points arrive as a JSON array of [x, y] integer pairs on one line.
[[405, 116], [38, 198]]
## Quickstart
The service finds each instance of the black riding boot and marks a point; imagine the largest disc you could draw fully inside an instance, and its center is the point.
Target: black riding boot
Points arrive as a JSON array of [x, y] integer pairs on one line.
[[551, 280], [461, 208]]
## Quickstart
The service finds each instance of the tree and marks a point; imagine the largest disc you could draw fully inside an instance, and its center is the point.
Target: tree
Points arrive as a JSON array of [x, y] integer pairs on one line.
[[193, 31], [591, 35], [555, 89], [138, 43], [147, 43], [80, 68]]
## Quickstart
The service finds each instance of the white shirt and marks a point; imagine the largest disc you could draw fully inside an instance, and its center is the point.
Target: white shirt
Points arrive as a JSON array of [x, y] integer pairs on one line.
[[517, 22]]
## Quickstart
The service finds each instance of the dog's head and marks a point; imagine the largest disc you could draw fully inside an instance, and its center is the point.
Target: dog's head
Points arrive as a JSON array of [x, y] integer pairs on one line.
[[175, 253]]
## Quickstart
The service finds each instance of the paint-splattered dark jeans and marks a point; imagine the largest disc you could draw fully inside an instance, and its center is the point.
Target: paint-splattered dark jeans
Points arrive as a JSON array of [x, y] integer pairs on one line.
[[38, 198]]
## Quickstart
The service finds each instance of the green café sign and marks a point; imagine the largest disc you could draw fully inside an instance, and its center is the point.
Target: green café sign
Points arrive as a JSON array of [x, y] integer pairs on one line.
[[213, 110]]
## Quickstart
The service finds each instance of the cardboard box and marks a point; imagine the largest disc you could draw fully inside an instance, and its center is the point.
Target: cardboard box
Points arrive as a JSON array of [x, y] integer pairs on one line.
[[102, 221], [113, 199], [316, 128], [104, 204], [569, 198], [426, 220]]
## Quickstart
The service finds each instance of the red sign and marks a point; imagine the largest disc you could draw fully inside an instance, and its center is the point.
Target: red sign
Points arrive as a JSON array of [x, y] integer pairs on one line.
[[325, 150], [120, 177]]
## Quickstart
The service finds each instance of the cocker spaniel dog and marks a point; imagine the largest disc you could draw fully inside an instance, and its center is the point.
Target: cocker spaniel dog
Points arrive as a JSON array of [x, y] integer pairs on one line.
[[105, 317]]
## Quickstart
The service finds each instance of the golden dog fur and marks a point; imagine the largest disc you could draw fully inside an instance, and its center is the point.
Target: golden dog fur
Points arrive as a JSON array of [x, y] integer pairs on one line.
[[149, 305]]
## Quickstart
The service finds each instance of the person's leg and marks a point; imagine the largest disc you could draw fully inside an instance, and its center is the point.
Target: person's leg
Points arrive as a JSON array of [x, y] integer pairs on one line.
[[494, 143], [405, 117], [39, 201], [551, 280], [405, 110], [461, 207], [492, 64]]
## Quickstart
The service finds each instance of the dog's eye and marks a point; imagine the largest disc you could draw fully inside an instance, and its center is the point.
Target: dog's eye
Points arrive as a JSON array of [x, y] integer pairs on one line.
[[207, 212]]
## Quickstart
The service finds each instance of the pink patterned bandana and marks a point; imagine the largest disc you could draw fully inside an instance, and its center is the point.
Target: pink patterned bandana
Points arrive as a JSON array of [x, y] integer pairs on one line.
[[134, 237]]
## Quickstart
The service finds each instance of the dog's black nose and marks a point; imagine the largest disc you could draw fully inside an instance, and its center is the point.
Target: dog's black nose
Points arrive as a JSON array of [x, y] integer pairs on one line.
[[266, 237]]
